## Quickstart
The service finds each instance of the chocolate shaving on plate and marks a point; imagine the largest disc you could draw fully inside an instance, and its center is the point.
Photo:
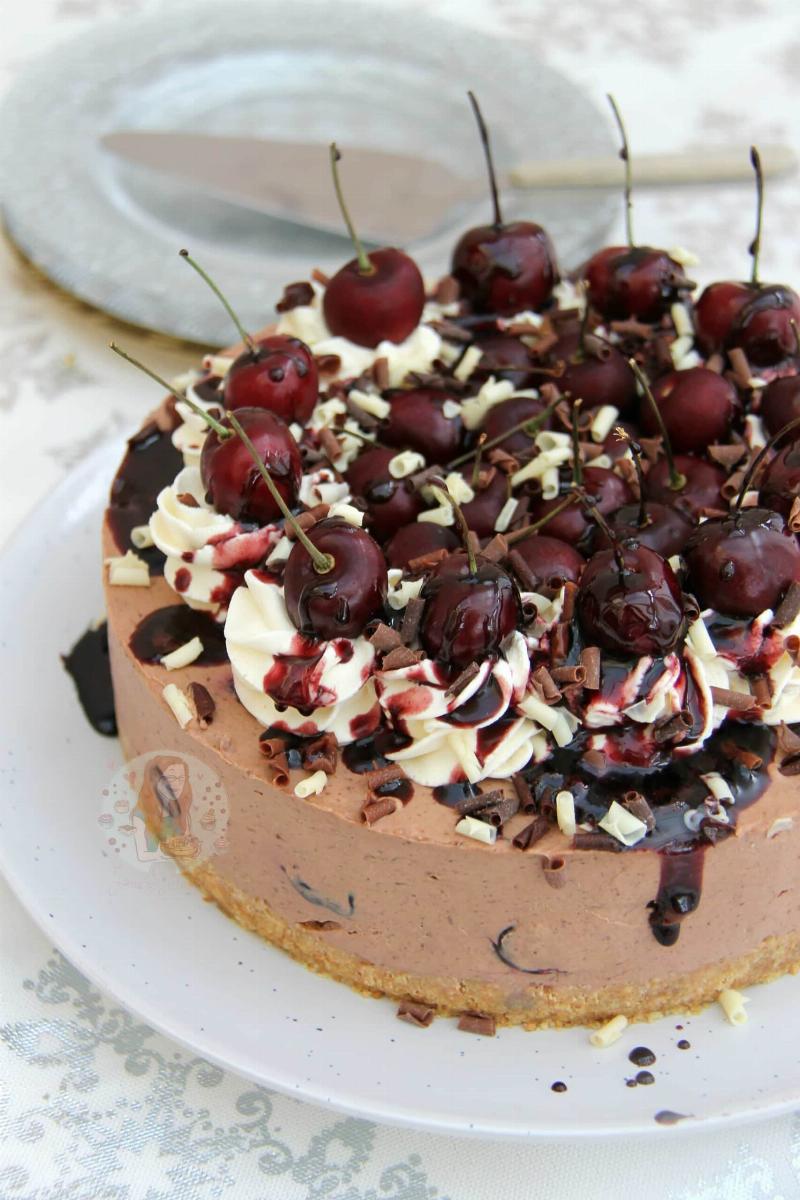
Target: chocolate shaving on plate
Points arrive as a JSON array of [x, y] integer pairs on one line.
[[419, 1015], [378, 808], [501, 809], [480, 1023], [470, 806], [504, 461], [674, 728], [651, 448], [532, 833], [203, 704]]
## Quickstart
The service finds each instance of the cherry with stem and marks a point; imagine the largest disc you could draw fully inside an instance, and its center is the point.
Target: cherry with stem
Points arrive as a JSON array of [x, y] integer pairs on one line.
[[487, 151], [439, 489], [759, 460], [624, 154], [178, 393], [243, 334], [527, 531], [365, 267], [677, 481], [531, 426], [636, 454], [754, 249]]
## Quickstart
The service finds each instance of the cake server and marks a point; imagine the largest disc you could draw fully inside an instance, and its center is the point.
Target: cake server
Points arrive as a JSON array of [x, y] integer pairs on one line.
[[395, 197]]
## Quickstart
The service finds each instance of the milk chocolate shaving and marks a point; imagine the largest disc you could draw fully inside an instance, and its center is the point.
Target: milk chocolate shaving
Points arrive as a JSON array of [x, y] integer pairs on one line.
[[544, 683], [270, 747], [384, 638], [501, 809], [559, 641], [736, 701], [381, 775], [595, 761], [485, 477], [523, 572], [378, 808], [584, 840], [448, 290], [554, 871], [524, 793], [715, 363], [411, 620], [727, 456], [715, 831], [321, 754], [321, 926], [424, 562], [187, 500], [590, 450], [575, 674], [365, 419], [637, 806], [762, 690], [741, 367], [380, 373], [529, 610], [590, 661], [462, 679], [789, 607], [480, 1023], [203, 704], [451, 331], [532, 833], [295, 295], [504, 461], [496, 549], [306, 519], [674, 728], [792, 647], [651, 447], [752, 762], [470, 806], [420, 1015], [632, 327], [788, 751], [732, 484], [421, 479], [568, 606], [279, 770], [320, 277], [400, 657], [327, 364]]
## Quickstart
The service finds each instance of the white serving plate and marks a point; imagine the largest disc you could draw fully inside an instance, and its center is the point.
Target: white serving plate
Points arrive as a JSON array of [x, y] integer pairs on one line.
[[146, 936]]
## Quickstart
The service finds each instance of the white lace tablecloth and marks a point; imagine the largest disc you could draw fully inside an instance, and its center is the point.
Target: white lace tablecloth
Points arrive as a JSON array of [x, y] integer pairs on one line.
[[93, 1104]]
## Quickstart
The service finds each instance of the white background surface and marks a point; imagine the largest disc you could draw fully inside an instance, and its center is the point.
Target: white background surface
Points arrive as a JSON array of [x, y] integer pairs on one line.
[[91, 1103]]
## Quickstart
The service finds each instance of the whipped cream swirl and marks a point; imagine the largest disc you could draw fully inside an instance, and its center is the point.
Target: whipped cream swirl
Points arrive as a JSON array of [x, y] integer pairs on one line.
[[288, 681]]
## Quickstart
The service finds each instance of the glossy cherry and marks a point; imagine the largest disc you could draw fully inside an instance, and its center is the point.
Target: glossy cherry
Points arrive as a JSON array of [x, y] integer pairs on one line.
[[780, 403], [743, 563], [504, 357], [467, 613], [630, 602], [665, 530], [341, 601], [716, 310], [503, 268], [702, 490], [697, 406], [279, 373], [231, 478], [508, 414], [765, 327], [599, 375], [780, 482], [634, 281], [606, 489], [550, 561], [482, 512], [417, 421], [418, 539], [376, 297], [391, 503]]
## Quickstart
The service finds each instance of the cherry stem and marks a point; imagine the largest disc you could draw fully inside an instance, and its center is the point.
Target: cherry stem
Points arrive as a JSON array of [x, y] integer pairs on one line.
[[532, 426], [754, 249], [243, 334], [758, 461], [626, 158], [476, 470], [577, 465], [322, 562], [594, 512], [365, 267], [439, 489], [519, 535], [677, 481], [487, 150], [219, 429], [636, 454]]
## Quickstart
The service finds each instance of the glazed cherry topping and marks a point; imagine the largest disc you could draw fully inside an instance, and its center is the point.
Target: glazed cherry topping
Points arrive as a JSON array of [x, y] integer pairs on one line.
[[508, 414], [417, 421], [376, 297], [341, 601], [701, 491], [665, 529], [630, 602], [606, 489], [503, 268], [634, 281], [780, 403], [391, 503], [482, 511], [599, 375], [765, 327], [467, 613], [504, 357], [780, 483], [716, 310], [279, 374], [743, 563], [696, 405], [232, 479], [417, 539], [550, 561]]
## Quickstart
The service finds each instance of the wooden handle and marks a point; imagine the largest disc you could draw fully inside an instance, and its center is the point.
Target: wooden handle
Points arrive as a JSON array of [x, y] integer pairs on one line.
[[722, 165]]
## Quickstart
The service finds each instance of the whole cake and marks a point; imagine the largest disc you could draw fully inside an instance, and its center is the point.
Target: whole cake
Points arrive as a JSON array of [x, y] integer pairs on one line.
[[505, 707]]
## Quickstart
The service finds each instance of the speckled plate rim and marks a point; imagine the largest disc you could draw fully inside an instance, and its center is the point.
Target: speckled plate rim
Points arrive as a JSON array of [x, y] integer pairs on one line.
[[65, 891]]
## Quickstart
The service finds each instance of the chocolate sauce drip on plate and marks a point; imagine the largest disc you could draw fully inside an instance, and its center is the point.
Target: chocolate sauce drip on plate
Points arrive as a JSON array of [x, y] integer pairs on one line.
[[150, 464], [88, 664], [166, 629], [642, 1056]]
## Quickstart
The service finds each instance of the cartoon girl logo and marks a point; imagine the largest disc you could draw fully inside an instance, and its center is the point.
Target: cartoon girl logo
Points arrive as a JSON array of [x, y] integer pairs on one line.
[[172, 807]]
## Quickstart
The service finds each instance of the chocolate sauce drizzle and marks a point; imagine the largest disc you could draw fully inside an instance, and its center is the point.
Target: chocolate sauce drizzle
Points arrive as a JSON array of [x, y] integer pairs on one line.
[[89, 666], [166, 629], [503, 955], [313, 897], [150, 464]]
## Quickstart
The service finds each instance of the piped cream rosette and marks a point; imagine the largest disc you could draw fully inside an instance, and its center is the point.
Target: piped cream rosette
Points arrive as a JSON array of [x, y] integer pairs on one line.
[[259, 636], [201, 544]]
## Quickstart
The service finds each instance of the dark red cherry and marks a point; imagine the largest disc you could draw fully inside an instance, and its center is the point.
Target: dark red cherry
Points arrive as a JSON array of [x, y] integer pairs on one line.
[[417, 422], [780, 403], [780, 483], [743, 563], [391, 503], [634, 281], [609, 493], [467, 615], [633, 606], [504, 357], [717, 309], [599, 377], [616, 447], [697, 405], [339, 602], [550, 561], [704, 482], [281, 376], [665, 531], [765, 326], [418, 539], [482, 512], [505, 269], [232, 479], [383, 305], [506, 415]]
